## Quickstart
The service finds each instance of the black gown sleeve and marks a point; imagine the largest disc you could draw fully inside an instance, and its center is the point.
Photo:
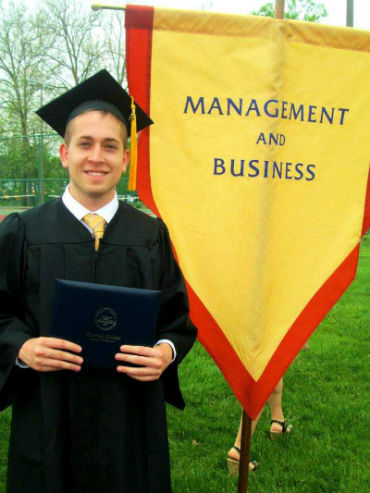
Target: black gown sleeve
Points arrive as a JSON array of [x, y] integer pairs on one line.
[[13, 331], [173, 322]]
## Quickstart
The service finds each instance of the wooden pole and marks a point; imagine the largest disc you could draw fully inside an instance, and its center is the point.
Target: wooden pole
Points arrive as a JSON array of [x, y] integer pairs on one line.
[[279, 9], [246, 420], [244, 453], [349, 22]]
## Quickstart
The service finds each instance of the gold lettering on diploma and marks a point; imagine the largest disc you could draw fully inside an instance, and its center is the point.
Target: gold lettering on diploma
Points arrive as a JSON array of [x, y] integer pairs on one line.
[[98, 337]]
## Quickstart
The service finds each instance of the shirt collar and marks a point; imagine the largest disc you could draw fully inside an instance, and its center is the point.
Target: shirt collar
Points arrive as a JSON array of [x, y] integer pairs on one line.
[[79, 211]]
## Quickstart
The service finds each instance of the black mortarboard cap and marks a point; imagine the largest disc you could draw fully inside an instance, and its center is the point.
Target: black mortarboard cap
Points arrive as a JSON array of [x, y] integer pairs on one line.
[[99, 92]]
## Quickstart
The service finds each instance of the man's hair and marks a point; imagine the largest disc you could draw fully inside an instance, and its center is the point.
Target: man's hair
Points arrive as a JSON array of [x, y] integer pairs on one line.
[[69, 129]]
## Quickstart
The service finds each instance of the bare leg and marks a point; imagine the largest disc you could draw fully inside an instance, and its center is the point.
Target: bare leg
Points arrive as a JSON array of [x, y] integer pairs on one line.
[[234, 454], [277, 413], [275, 406]]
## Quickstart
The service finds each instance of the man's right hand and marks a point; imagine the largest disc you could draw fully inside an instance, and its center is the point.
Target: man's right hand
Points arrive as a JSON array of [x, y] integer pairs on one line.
[[50, 354]]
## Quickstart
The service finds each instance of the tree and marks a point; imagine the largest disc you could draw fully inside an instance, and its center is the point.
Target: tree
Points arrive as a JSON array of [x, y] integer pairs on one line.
[[306, 10], [77, 46], [113, 32], [23, 48]]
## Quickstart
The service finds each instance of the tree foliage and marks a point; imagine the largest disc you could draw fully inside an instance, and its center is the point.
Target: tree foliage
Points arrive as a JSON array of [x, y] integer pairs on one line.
[[306, 10]]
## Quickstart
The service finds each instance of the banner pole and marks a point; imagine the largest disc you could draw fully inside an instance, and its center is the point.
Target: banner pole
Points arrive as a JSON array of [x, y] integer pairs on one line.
[[246, 420], [244, 453], [279, 9], [349, 19]]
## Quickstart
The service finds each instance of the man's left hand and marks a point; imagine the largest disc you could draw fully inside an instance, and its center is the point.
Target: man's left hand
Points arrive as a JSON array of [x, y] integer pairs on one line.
[[151, 361]]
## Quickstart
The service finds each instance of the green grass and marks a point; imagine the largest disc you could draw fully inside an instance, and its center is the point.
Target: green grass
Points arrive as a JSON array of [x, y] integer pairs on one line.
[[4, 211], [4, 436], [326, 398]]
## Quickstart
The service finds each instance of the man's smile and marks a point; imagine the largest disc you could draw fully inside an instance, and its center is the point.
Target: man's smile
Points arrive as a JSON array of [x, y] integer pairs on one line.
[[96, 173]]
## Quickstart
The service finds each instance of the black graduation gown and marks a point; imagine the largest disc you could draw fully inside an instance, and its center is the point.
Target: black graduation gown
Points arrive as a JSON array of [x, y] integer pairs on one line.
[[95, 431]]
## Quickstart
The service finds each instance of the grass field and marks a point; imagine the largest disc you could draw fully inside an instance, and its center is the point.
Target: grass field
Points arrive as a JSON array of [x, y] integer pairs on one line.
[[4, 211], [326, 398]]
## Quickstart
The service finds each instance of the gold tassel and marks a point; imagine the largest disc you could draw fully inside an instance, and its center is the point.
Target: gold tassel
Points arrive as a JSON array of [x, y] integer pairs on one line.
[[133, 149]]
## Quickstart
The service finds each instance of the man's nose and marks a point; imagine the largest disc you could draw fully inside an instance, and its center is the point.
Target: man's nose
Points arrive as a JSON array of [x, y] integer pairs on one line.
[[96, 153]]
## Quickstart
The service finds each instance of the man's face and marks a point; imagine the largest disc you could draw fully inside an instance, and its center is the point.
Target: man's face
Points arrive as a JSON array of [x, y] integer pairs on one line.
[[95, 157]]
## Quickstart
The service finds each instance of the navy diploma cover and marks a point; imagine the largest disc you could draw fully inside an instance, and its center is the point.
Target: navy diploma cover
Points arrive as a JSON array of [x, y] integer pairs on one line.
[[100, 318]]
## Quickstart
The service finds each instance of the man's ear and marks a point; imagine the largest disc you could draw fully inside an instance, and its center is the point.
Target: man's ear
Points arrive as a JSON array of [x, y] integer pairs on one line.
[[126, 160], [63, 154]]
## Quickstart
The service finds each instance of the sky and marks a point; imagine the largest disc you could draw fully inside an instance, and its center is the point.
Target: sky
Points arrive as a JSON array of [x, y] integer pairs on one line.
[[336, 8]]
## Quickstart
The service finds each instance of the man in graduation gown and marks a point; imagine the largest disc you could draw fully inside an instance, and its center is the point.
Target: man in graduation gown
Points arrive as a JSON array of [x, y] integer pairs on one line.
[[76, 428]]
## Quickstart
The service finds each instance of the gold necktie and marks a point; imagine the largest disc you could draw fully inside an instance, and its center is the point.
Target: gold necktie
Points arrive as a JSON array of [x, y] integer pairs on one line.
[[97, 225]]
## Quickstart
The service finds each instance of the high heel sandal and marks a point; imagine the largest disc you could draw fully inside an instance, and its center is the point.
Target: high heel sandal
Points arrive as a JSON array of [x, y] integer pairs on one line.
[[285, 429], [233, 464]]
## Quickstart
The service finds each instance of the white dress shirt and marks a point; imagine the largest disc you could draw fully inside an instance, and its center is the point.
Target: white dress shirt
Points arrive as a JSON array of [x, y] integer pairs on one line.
[[79, 211]]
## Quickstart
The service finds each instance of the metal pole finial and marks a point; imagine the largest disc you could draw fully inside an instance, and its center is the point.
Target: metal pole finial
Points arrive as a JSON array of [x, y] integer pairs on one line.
[[101, 6]]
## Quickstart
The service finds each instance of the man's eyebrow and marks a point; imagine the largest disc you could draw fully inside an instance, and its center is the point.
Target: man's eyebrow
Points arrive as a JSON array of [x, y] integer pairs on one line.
[[110, 139], [107, 139]]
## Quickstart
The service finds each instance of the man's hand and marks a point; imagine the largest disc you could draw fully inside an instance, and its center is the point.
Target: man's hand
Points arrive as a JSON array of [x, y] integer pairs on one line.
[[152, 361], [50, 354]]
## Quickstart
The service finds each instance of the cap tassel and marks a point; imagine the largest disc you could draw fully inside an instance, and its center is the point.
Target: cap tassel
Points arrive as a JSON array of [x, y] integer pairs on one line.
[[133, 149]]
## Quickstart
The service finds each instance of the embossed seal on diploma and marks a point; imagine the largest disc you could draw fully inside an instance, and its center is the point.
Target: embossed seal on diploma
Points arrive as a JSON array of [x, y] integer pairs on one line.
[[106, 319]]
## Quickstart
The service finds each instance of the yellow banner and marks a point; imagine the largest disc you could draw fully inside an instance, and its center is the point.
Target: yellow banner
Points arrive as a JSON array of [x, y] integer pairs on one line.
[[259, 159]]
